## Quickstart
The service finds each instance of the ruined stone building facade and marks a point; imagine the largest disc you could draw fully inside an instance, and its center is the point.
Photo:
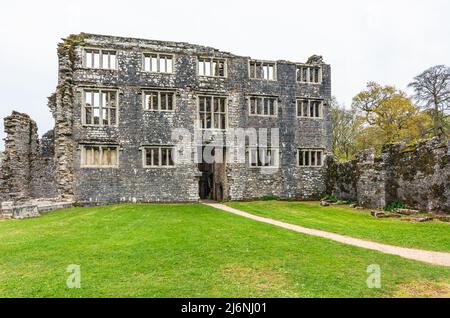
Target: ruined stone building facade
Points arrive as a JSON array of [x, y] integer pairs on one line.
[[415, 175], [119, 99]]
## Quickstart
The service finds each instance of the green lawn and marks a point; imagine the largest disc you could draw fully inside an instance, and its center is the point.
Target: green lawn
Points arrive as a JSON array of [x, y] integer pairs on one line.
[[357, 223], [192, 251]]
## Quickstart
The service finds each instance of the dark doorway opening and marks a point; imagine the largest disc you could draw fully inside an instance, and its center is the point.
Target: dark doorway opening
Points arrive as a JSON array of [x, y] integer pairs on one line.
[[206, 180], [212, 180]]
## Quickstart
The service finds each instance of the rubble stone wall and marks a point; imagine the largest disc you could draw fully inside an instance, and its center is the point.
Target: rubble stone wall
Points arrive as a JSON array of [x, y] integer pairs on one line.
[[43, 177], [137, 128], [21, 150], [418, 176], [52, 167], [27, 168]]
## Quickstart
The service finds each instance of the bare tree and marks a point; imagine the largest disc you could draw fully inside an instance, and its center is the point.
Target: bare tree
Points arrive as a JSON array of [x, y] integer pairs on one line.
[[432, 92]]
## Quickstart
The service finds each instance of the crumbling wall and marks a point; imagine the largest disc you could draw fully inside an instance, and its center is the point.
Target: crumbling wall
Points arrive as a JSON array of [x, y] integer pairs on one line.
[[2, 180], [21, 150], [341, 178], [418, 176], [27, 168], [371, 180], [56, 169], [43, 178], [61, 105]]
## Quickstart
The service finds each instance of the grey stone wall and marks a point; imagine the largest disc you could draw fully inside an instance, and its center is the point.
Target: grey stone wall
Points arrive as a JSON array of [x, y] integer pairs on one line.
[[21, 149], [43, 177], [2, 179], [418, 176], [371, 180], [132, 182], [57, 170], [27, 170]]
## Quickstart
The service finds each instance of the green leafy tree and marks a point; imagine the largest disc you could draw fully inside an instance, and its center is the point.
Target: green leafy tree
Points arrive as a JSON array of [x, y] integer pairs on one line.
[[387, 115], [344, 131]]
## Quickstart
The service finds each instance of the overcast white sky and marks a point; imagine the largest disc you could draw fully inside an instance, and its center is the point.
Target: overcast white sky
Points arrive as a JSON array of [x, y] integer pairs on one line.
[[388, 41]]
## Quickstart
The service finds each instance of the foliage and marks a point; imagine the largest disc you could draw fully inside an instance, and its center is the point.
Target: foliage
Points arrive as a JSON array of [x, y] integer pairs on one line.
[[345, 128], [330, 198], [334, 199], [269, 198], [432, 92], [382, 115], [389, 110], [394, 205], [386, 115]]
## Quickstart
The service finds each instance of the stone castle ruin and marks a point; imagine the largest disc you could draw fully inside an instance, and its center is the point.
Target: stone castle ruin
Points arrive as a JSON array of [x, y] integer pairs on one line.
[[118, 101], [417, 176]]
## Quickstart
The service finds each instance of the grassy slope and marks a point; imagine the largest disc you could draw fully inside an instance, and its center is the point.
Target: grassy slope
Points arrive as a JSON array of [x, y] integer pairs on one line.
[[356, 223], [186, 251]]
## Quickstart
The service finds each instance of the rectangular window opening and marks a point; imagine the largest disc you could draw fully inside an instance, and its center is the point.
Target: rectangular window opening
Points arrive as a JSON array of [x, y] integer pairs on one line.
[[262, 106], [158, 63], [262, 157], [158, 100], [309, 74], [211, 67], [100, 156], [100, 108], [310, 157], [212, 112], [156, 156], [262, 70], [100, 59], [309, 108]]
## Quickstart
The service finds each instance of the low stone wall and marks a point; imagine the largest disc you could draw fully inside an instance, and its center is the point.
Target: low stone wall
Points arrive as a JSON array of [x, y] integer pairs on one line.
[[31, 208], [418, 176]]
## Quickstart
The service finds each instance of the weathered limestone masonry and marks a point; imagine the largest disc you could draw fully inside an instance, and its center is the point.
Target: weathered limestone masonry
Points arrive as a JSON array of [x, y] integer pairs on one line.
[[137, 128], [43, 176], [21, 150], [26, 169], [418, 176]]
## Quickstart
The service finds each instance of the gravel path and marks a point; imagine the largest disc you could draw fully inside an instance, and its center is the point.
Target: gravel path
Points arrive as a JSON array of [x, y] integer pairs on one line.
[[436, 258]]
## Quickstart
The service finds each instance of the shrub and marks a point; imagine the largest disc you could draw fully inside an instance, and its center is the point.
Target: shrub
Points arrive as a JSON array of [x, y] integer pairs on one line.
[[269, 198], [330, 198], [394, 205]]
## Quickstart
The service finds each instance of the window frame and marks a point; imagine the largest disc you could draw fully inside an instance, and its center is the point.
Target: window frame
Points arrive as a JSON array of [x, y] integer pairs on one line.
[[298, 68], [158, 63], [263, 98], [101, 107], [160, 148], [309, 100], [275, 158], [211, 61], [225, 98], [310, 151], [101, 53], [83, 157], [145, 92], [263, 62]]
